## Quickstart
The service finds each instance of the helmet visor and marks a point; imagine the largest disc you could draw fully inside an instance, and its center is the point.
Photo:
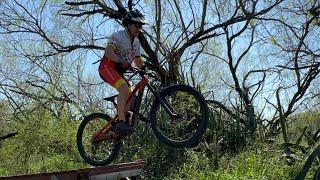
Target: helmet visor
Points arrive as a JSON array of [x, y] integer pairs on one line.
[[137, 20]]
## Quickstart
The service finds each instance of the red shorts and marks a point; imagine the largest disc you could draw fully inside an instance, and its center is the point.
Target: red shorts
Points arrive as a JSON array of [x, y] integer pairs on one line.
[[108, 73]]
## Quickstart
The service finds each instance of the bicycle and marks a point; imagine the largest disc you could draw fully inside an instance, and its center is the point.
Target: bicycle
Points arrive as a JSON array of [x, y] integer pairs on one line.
[[178, 118]]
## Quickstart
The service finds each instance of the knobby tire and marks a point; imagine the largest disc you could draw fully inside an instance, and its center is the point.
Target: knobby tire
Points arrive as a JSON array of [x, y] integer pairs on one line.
[[111, 148], [194, 110]]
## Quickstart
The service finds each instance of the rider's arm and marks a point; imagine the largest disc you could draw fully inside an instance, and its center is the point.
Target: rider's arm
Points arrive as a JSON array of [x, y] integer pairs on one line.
[[111, 49], [110, 52], [137, 58]]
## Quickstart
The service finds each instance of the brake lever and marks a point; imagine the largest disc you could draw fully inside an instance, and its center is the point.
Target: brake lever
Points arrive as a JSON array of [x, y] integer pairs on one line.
[[142, 72]]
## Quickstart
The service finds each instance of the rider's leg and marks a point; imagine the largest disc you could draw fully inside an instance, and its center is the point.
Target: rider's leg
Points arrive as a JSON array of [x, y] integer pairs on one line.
[[124, 125], [124, 92], [109, 74]]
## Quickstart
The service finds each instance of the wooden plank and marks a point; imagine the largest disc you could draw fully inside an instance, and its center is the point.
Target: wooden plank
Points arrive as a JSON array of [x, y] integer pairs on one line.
[[117, 171]]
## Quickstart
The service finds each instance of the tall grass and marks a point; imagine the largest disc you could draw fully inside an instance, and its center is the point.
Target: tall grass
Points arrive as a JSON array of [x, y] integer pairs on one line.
[[259, 162]]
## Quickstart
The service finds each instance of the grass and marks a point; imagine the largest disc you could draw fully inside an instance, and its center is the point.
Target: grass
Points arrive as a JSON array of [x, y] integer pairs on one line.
[[259, 162]]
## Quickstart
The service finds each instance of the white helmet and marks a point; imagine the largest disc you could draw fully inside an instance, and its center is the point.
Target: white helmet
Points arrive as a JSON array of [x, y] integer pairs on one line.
[[134, 17]]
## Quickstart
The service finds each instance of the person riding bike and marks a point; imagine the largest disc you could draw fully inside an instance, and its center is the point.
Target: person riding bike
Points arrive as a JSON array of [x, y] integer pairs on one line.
[[122, 49]]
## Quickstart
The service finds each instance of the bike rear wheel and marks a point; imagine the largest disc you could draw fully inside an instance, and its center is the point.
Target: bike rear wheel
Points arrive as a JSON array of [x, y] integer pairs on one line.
[[191, 120], [96, 153]]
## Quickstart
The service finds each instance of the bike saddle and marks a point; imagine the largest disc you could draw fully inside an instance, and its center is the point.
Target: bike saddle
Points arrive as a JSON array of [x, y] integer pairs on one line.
[[111, 98]]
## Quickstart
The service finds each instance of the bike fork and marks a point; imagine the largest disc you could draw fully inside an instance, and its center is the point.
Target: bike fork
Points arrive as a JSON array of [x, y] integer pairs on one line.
[[163, 102]]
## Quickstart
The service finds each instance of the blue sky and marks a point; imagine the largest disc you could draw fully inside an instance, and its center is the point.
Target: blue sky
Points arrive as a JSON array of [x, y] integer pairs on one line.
[[102, 29]]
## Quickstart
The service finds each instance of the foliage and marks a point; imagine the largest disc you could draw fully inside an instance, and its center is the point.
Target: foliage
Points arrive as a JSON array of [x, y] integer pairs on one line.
[[260, 162], [45, 143], [310, 120]]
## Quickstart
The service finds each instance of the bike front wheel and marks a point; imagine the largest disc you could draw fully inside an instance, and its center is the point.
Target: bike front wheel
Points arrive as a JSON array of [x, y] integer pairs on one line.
[[96, 153], [187, 121]]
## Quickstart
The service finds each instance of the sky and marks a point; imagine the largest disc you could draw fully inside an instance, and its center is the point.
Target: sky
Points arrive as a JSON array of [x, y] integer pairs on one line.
[[102, 29]]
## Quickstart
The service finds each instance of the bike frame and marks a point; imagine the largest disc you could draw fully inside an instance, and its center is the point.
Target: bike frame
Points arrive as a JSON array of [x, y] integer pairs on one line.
[[100, 135]]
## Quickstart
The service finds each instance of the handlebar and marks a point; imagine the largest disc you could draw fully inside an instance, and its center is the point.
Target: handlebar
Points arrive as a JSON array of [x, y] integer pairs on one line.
[[141, 73]]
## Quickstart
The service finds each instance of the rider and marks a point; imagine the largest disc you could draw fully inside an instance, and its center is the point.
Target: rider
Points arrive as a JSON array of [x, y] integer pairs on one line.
[[122, 48]]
